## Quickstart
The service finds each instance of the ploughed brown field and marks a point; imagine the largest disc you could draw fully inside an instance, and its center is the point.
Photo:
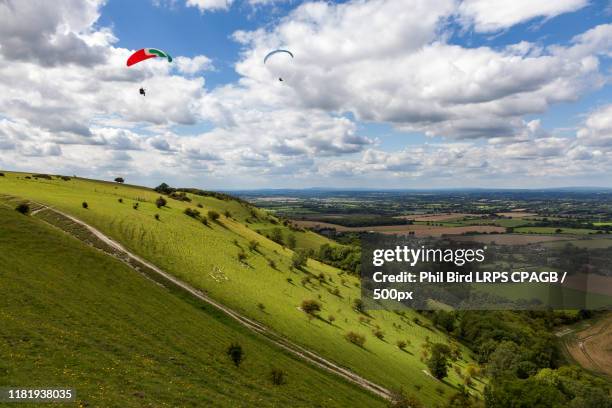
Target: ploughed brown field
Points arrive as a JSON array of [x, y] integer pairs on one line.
[[419, 230], [439, 217], [592, 347]]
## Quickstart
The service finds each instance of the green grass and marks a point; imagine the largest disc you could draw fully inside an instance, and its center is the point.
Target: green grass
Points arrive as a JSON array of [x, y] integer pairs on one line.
[[74, 317], [207, 257], [553, 230]]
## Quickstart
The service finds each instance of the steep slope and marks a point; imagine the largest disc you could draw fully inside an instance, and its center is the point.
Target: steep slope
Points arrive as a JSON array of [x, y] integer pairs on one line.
[[261, 283], [72, 316]]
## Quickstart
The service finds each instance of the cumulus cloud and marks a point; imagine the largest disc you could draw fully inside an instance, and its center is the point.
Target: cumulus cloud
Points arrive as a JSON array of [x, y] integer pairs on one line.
[[409, 76], [210, 5], [191, 66], [85, 116], [597, 129], [494, 15]]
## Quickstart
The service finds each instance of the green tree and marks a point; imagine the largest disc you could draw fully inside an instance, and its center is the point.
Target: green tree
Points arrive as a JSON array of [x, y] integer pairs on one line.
[[299, 259], [291, 242], [160, 202], [438, 361], [235, 353]]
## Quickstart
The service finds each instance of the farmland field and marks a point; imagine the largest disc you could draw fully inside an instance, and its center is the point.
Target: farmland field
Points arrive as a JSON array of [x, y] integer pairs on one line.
[[591, 347]]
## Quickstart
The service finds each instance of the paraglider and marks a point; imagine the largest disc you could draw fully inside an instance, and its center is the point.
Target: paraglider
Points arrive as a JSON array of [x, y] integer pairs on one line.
[[145, 54], [278, 61]]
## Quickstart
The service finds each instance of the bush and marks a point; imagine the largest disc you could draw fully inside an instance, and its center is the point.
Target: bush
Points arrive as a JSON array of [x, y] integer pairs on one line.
[[135, 206], [23, 208], [291, 242], [1, 174], [160, 202], [299, 259], [401, 400], [227, 214], [379, 334], [277, 235], [156, 217], [272, 264], [205, 221], [43, 176], [311, 307], [213, 215], [401, 344], [242, 256], [277, 376], [331, 318], [200, 205], [261, 307], [358, 305], [236, 354], [65, 178], [191, 212], [120, 200], [438, 362], [253, 245], [85, 205], [119, 180], [355, 338]]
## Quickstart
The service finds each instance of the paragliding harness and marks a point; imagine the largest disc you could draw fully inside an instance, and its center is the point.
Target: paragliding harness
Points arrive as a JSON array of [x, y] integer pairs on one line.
[[142, 92]]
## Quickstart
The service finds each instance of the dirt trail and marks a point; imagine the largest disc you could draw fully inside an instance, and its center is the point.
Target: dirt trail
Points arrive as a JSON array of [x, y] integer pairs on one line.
[[250, 324]]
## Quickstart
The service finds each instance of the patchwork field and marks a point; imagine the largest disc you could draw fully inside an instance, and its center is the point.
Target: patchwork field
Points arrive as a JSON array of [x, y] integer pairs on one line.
[[418, 229]]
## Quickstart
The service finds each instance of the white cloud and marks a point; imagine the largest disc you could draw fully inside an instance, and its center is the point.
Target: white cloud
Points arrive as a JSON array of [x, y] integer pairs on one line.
[[192, 66], [597, 129], [494, 15], [210, 5]]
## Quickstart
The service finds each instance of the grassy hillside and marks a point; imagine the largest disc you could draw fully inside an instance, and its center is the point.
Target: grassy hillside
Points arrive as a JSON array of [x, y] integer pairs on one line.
[[72, 316], [261, 283]]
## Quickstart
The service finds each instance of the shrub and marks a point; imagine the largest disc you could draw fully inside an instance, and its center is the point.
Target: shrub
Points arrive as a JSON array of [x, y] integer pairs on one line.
[[65, 178], [191, 212], [43, 176], [261, 307], [299, 259], [200, 205], [379, 334], [253, 244], [156, 217], [311, 307], [242, 256], [23, 208], [1, 174], [355, 338], [120, 200], [205, 221], [401, 400], [291, 242], [438, 362], [85, 205], [213, 215], [135, 206], [119, 180], [277, 376], [331, 318], [277, 235], [272, 264], [401, 344], [236, 354], [290, 280], [160, 202], [227, 214], [358, 305]]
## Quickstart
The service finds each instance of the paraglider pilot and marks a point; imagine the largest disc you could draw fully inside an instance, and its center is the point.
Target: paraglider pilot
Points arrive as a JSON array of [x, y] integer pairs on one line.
[[142, 92]]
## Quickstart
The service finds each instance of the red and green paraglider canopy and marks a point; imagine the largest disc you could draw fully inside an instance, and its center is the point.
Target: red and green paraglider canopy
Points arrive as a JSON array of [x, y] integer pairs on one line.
[[145, 54]]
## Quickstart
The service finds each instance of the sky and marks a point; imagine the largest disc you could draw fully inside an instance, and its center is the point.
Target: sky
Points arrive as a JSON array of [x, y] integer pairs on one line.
[[378, 94]]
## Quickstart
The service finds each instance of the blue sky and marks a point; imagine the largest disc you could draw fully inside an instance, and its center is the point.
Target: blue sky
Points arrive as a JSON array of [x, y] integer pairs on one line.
[[440, 93]]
